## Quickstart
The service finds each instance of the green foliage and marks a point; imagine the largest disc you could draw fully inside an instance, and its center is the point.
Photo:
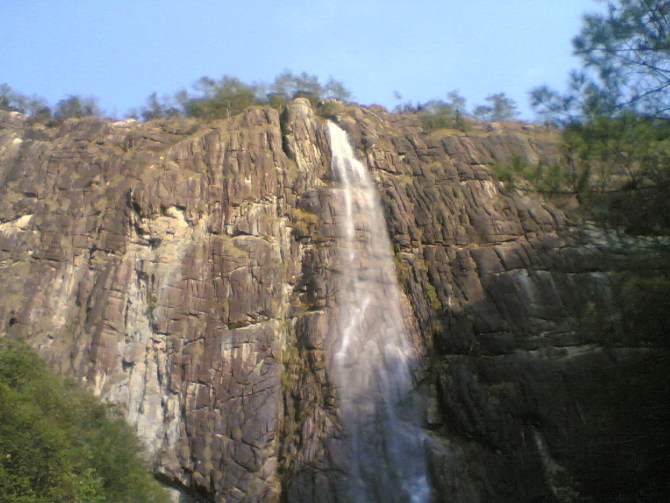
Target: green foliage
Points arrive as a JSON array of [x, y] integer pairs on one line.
[[76, 106], [219, 99], [626, 65], [435, 115], [328, 109], [616, 162], [438, 114], [306, 225], [294, 85], [623, 171], [228, 96], [456, 102], [39, 111], [210, 99], [277, 100], [336, 89], [452, 113], [618, 169], [500, 108], [637, 313], [615, 117], [546, 178], [59, 444], [288, 84], [14, 101], [157, 108]]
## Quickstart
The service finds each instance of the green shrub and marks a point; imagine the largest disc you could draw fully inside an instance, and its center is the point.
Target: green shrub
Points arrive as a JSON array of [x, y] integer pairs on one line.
[[59, 444], [328, 109], [76, 106], [219, 99], [305, 224], [436, 114], [638, 313]]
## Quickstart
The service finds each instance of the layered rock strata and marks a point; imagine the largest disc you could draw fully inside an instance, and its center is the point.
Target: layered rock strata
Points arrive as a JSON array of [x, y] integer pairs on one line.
[[186, 272]]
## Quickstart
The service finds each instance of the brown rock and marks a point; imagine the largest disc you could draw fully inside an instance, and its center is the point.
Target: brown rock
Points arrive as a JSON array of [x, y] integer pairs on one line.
[[187, 272]]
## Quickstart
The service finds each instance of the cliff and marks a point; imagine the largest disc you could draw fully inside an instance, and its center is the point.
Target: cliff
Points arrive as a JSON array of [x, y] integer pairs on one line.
[[187, 272]]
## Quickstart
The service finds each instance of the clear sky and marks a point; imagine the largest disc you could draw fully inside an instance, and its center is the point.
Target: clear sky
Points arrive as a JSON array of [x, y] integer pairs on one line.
[[123, 50]]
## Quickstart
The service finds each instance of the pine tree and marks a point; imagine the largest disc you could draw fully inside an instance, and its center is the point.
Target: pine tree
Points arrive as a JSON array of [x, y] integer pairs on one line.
[[616, 116]]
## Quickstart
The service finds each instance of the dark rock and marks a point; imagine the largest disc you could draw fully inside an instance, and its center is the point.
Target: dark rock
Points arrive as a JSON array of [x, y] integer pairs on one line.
[[186, 272]]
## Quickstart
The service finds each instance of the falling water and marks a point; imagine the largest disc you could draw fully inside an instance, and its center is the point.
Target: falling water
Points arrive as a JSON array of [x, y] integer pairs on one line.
[[372, 355]]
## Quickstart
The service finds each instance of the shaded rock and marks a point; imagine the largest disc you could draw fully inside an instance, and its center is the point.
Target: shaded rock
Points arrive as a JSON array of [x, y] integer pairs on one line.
[[186, 272]]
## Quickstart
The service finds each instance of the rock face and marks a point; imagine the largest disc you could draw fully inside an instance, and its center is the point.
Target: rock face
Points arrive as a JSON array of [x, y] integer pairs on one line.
[[185, 271]]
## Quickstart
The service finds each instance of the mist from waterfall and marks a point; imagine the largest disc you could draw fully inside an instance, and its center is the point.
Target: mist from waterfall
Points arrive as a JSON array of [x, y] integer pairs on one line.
[[373, 358]]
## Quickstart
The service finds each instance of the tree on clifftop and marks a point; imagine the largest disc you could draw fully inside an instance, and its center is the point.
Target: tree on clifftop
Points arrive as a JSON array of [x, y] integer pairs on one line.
[[14, 101], [616, 116], [219, 98], [500, 108], [626, 65], [615, 120], [76, 106]]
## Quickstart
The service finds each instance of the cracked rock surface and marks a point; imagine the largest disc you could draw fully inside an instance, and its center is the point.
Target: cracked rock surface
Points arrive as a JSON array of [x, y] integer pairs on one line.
[[185, 271]]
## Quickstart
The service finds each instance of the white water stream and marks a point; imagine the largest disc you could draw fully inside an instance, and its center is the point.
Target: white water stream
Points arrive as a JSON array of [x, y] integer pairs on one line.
[[373, 357]]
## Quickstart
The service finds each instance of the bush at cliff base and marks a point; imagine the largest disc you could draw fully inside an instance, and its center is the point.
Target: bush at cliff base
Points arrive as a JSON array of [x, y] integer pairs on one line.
[[59, 444]]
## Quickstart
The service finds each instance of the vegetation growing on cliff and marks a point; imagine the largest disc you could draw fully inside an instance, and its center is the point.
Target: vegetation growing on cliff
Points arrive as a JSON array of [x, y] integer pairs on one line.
[[615, 158], [209, 98], [615, 120], [38, 108], [217, 99], [438, 114], [452, 113], [59, 444]]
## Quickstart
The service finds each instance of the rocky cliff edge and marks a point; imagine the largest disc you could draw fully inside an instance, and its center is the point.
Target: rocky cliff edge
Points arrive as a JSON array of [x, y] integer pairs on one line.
[[185, 271]]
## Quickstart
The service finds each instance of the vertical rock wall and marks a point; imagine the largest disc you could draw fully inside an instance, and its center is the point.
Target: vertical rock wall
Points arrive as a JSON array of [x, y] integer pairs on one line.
[[185, 272]]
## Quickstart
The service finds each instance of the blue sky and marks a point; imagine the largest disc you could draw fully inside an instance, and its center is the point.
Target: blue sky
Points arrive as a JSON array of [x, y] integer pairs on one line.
[[123, 50]]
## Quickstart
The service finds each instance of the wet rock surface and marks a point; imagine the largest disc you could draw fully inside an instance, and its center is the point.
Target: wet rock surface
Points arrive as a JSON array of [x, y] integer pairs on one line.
[[186, 271]]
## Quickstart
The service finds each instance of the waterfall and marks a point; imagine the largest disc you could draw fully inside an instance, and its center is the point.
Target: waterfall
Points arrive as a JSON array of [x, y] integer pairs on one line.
[[373, 358]]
